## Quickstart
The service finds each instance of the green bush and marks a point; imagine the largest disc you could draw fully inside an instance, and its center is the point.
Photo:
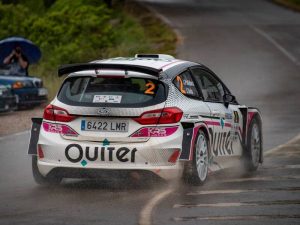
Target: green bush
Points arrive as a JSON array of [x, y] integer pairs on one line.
[[70, 31]]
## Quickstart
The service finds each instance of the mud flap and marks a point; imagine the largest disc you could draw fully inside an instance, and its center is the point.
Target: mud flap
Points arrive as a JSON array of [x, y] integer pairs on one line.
[[186, 143], [34, 136]]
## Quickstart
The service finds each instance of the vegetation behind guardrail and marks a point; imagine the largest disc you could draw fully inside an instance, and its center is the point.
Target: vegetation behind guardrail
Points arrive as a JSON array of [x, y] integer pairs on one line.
[[70, 31], [292, 4]]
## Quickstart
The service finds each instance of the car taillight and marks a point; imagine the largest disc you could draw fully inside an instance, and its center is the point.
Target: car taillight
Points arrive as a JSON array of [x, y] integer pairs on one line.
[[160, 116], [155, 132], [55, 113], [59, 128]]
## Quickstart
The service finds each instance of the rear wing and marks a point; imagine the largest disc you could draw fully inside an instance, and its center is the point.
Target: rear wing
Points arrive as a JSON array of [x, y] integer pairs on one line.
[[71, 68]]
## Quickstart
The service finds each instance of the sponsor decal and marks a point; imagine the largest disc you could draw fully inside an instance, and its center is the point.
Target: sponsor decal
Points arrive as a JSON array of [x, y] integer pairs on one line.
[[235, 129], [106, 142], [83, 163], [107, 98], [222, 122], [228, 116], [236, 117], [221, 143], [76, 153], [155, 132]]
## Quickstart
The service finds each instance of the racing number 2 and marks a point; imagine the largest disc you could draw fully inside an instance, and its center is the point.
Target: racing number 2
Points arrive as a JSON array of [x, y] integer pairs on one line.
[[181, 87], [150, 87]]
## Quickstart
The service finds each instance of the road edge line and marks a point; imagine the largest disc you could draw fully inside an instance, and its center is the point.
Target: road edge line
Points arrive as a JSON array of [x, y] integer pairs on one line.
[[279, 147], [278, 46], [146, 213], [180, 37]]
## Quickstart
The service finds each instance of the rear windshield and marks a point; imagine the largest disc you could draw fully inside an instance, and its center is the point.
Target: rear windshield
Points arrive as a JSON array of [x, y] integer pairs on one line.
[[118, 92]]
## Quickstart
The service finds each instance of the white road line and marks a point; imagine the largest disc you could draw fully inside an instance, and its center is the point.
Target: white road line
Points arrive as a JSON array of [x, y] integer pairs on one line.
[[278, 148], [261, 179], [238, 191], [220, 204], [285, 52], [239, 217], [239, 204], [297, 166], [145, 215], [179, 35], [218, 192], [14, 135]]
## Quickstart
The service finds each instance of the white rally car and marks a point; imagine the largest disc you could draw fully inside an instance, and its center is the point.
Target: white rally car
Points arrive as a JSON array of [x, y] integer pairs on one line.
[[148, 114]]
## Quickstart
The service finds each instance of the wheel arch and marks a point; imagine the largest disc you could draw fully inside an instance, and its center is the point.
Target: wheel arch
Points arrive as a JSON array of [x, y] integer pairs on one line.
[[190, 133], [254, 113]]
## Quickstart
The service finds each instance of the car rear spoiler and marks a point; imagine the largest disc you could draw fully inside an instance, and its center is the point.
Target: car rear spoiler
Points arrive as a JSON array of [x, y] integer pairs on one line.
[[71, 68]]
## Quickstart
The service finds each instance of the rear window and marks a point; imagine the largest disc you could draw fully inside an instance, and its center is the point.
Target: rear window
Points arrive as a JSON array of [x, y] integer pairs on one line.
[[118, 92]]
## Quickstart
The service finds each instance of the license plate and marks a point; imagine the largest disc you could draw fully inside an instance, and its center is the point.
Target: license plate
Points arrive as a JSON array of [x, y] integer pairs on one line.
[[104, 125], [42, 92]]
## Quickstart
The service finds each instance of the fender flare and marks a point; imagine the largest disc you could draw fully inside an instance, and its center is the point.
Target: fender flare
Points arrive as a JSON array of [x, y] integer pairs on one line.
[[248, 115], [190, 131]]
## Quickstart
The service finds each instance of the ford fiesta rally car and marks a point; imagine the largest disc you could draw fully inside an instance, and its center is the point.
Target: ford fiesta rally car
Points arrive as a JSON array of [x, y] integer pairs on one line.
[[150, 113]]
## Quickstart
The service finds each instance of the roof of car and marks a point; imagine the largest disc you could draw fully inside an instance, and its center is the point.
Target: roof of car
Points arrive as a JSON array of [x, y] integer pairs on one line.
[[156, 63]]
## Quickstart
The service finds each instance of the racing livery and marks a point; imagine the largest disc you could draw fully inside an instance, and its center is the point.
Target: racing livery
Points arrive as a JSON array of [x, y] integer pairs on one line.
[[148, 113]]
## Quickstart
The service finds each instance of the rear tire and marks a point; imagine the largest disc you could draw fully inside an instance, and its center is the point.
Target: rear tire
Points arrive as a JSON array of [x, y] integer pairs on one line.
[[39, 178], [254, 145], [196, 172]]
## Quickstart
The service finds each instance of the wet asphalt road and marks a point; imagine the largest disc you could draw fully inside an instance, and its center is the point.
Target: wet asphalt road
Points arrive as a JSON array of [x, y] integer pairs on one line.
[[269, 196], [254, 46]]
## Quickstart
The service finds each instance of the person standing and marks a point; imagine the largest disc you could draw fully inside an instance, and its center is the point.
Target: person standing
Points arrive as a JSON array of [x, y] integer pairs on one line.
[[18, 62]]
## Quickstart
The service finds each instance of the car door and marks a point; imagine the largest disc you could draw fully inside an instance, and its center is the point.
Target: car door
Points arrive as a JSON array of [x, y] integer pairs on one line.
[[222, 117], [194, 110]]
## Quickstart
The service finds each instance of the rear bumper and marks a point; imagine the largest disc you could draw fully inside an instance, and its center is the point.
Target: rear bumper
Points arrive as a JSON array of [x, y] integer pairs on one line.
[[81, 159], [100, 173]]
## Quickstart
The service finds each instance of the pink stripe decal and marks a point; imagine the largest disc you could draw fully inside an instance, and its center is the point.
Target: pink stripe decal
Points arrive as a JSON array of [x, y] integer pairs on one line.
[[227, 124], [195, 132], [212, 123], [250, 117]]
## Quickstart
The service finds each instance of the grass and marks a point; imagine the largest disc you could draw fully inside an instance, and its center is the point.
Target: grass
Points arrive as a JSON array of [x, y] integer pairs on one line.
[[292, 4], [67, 34]]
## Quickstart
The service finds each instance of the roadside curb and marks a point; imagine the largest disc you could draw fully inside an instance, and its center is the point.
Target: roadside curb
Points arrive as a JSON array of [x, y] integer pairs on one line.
[[179, 36]]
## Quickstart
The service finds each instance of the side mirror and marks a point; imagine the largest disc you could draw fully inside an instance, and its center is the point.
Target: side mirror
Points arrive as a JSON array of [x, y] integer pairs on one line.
[[228, 98]]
